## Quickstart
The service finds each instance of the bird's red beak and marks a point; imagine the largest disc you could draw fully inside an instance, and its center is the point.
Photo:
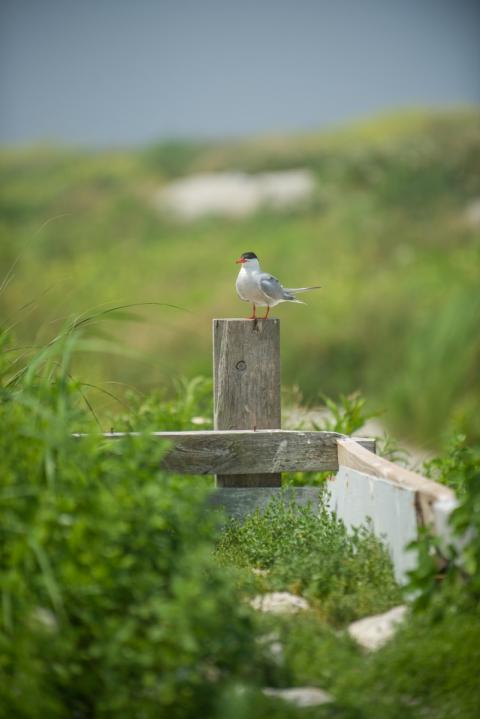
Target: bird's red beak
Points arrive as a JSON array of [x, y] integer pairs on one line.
[[241, 261]]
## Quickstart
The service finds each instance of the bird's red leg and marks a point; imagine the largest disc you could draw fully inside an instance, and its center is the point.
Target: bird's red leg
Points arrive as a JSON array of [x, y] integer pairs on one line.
[[266, 313], [253, 316]]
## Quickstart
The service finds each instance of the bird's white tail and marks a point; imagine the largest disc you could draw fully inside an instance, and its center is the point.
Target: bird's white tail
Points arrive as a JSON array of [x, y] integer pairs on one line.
[[293, 290]]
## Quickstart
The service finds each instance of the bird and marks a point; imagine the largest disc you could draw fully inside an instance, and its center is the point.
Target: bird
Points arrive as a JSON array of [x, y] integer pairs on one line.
[[261, 288]]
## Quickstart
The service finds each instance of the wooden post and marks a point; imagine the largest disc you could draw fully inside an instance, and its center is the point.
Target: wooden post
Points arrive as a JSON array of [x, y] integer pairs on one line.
[[246, 361]]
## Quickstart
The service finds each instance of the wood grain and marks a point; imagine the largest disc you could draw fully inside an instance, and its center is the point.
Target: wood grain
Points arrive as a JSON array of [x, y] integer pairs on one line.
[[246, 452], [246, 362]]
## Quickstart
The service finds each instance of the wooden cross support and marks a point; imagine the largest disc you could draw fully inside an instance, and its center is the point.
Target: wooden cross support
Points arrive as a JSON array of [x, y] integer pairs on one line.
[[244, 452], [246, 375]]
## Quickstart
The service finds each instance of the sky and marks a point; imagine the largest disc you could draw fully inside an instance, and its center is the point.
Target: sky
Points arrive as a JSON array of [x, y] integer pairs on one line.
[[125, 72]]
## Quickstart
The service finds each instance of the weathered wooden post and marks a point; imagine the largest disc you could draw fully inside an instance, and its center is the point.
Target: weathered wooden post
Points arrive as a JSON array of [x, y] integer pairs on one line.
[[246, 361]]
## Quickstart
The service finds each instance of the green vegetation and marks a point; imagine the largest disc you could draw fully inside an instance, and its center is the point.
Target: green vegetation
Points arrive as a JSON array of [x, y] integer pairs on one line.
[[308, 552], [387, 234], [429, 669], [112, 602], [121, 595], [456, 564]]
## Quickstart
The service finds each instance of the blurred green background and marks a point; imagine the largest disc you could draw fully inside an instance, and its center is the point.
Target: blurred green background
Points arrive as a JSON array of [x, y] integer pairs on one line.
[[391, 232], [120, 595]]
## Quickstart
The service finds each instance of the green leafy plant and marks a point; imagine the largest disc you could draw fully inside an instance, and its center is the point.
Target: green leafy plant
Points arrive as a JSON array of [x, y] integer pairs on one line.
[[308, 551], [428, 670], [112, 603], [191, 408], [458, 467], [449, 574], [346, 416], [121, 595]]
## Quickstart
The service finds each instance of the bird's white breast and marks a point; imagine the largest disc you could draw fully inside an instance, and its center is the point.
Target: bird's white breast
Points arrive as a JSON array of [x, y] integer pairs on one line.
[[248, 288]]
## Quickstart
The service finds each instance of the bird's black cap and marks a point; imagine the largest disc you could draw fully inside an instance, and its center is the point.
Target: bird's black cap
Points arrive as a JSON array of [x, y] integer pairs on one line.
[[249, 256]]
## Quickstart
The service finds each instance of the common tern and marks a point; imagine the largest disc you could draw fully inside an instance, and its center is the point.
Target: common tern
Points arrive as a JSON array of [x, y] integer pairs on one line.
[[261, 288]]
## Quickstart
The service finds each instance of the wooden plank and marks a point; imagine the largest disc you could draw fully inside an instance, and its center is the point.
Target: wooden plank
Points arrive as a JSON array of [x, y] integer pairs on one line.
[[246, 452], [246, 362], [237, 502], [427, 492]]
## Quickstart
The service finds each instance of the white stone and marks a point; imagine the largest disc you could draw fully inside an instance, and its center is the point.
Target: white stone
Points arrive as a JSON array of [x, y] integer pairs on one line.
[[234, 194], [300, 696], [279, 603], [373, 632]]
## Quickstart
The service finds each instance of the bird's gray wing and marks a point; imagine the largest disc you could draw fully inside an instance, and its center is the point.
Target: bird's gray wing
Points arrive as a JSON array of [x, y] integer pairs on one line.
[[272, 288]]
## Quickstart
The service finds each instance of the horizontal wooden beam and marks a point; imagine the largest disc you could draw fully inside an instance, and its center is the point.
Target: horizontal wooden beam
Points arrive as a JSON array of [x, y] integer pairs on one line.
[[249, 452]]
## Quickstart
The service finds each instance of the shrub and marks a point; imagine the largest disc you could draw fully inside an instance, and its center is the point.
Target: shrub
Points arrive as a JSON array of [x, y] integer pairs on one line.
[[112, 602], [309, 551], [449, 575], [429, 670]]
